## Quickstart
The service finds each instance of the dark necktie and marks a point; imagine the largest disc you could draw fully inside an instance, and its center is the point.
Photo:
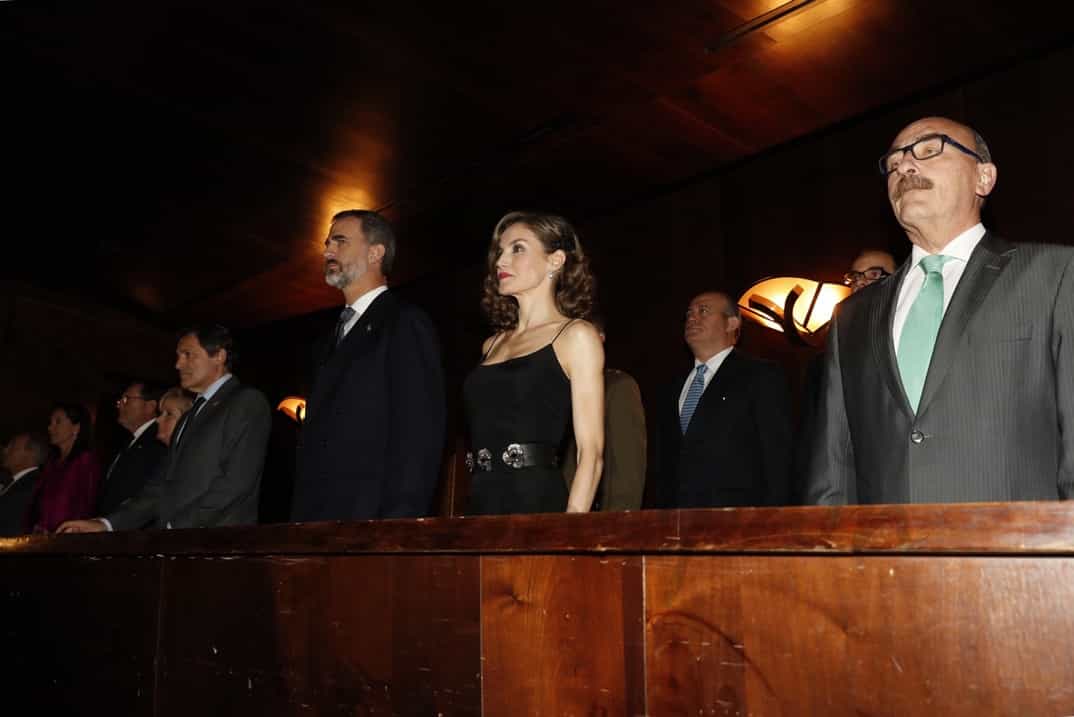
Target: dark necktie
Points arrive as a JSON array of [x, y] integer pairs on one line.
[[190, 416], [344, 317]]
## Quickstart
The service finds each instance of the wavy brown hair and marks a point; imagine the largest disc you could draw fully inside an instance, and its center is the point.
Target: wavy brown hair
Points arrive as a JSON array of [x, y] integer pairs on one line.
[[574, 283]]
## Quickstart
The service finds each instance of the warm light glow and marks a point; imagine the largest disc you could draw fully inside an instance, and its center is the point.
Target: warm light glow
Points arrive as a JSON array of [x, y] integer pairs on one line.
[[294, 408], [764, 303]]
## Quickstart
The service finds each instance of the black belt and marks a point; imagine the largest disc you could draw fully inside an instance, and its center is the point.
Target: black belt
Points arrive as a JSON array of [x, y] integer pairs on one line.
[[515, 455]]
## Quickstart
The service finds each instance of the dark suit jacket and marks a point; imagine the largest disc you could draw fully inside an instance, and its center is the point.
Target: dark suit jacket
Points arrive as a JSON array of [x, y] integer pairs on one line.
[[131, 469], [15, 505], [212, 475], [996, 416], [737, 448], [373, 437], [622, 481]]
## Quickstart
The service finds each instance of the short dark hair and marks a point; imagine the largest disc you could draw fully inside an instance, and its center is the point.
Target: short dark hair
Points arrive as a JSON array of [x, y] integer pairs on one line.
[[37, 445], [376, 230], [212, 338], [77, 414], [151, 390]]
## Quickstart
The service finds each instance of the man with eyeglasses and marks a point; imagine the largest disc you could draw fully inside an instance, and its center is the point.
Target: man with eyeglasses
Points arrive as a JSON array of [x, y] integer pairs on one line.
[[953, 380], [871, 266], [136, 411]]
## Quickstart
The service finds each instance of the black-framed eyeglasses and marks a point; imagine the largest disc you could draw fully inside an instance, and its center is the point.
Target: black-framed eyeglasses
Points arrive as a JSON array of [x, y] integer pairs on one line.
[[927, 147], [127, 398], [873, 273]]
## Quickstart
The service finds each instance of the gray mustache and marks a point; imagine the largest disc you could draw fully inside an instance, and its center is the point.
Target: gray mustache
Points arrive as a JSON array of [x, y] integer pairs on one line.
[[911, 181]]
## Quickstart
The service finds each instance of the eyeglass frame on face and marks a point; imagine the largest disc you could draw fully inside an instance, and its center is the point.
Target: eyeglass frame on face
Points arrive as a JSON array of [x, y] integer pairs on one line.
[[853, 277], [126, 398], [901, 152]]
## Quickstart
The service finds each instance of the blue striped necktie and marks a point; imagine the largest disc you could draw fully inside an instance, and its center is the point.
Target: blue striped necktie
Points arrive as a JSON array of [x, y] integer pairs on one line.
[[693, 395]]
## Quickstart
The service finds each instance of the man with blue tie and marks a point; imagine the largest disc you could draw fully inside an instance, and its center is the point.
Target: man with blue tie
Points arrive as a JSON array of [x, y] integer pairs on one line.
[[724, 429], [953, 379]]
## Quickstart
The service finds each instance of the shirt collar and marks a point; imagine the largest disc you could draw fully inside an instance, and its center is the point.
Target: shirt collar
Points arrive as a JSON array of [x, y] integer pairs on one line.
[[362, 302], [214, 387], [142, 428], [20, 474], [714, 361], [958, 248]]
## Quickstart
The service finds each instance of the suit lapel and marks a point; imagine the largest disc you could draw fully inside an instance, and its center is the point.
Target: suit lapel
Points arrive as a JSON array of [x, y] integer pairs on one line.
[[189, 429], [714, 393], [365, 332], [986, 263], [881, 320]]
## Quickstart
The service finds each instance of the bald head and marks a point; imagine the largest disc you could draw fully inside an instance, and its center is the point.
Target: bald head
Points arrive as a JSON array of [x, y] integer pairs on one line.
[[712, 324], [938, 197]]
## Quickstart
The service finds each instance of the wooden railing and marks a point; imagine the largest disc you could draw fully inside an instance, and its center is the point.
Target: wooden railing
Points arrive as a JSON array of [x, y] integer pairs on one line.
[[873, 610]]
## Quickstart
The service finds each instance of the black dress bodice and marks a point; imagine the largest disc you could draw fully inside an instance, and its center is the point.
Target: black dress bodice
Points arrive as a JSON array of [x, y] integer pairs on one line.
[[526, 399]]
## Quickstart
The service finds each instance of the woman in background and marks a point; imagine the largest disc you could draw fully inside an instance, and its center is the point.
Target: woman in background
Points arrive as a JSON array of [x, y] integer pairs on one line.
[[173, 404], [541, 372], [70, 479]]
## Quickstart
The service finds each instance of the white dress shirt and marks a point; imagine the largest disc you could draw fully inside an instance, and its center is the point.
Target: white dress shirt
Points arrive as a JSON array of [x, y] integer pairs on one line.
[[140, 430], [361, 304], [959, 249], [713, 364]]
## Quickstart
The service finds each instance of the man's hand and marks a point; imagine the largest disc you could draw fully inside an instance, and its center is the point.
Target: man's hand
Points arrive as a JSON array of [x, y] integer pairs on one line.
[[82, 526]]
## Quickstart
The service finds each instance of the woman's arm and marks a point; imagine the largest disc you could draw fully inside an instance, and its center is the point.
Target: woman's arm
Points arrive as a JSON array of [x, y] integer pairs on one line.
[[581, 354]]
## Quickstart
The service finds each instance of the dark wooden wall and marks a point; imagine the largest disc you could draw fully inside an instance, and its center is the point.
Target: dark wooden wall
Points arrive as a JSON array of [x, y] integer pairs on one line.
[[872, 610]]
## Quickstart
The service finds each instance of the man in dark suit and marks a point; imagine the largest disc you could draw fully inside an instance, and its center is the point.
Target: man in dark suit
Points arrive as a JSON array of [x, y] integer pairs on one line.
[[371, 443], [136, 411], [953, 379], [724, 428], [212, 474], [23, 456]]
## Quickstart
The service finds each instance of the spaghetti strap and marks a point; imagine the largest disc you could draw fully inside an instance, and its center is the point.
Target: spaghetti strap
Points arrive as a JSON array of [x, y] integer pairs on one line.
[[561, 330], [492, 346]]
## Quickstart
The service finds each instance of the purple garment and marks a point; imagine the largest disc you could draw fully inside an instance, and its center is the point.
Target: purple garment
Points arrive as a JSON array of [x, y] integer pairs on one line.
[[65, 491]]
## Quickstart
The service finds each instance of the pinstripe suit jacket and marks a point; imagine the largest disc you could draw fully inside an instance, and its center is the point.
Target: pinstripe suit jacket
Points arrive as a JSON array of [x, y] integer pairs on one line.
[[996, 416]]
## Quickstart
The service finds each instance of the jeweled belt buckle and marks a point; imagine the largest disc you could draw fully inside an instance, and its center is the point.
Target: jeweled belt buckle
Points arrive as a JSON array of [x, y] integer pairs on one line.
[[514, 456]]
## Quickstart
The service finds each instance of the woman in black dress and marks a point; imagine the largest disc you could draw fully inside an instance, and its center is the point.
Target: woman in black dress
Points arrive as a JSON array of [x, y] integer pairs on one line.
[[540, 373]]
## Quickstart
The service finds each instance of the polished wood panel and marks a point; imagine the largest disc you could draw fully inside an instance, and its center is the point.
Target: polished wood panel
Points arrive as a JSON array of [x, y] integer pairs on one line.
[[78, 635], [311, 635], [562, 635], [859, 636], [994, 528], [862, 610]]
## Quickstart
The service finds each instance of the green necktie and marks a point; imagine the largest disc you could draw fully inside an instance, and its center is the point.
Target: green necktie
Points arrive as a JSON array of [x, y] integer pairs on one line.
[[922, 325]]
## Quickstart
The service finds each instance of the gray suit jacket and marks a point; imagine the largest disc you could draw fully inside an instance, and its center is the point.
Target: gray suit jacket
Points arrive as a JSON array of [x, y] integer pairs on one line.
[[212, 475], [996, 416]]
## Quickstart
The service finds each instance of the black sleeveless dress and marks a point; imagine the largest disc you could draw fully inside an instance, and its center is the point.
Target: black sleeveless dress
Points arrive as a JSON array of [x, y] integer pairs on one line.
[[526, 399]]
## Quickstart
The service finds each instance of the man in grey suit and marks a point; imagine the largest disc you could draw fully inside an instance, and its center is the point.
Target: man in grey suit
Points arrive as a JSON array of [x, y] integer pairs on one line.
[[212, 474], [953, 379]]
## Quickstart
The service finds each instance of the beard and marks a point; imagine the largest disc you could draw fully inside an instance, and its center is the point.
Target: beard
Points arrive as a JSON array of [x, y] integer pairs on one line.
[[907, 182], [338, 276]]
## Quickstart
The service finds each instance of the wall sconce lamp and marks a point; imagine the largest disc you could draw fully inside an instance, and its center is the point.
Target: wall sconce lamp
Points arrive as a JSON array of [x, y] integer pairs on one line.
[[294, 408], [800, 308]]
